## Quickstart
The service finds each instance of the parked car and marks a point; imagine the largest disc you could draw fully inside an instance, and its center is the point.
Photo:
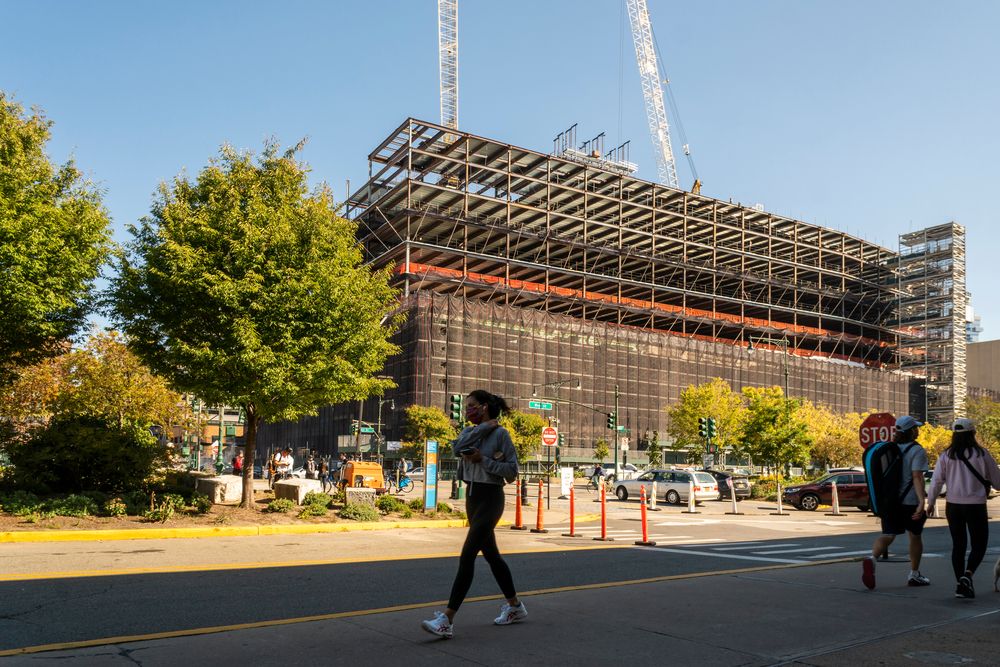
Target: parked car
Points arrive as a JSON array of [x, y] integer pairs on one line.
[[416, 474], [741, 484], [852, 491], [671, 485]]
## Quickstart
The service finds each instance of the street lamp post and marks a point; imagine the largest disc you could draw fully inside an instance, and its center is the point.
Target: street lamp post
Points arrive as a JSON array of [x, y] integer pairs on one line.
[[557, 385], [378, 426], [218, 455]]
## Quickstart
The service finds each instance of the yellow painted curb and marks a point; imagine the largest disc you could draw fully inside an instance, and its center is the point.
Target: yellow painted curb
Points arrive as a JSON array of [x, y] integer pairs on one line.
[[220, 531]]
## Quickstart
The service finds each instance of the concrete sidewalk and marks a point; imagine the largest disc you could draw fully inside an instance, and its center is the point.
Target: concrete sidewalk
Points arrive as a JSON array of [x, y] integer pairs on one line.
[[818, 614]]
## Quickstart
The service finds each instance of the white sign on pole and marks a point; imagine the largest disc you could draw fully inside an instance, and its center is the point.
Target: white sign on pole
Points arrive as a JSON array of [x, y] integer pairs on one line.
[[392, 445], [565, 481], [707, 460]]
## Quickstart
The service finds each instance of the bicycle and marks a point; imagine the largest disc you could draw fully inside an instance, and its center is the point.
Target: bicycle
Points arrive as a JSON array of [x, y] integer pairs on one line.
[[404, 485]]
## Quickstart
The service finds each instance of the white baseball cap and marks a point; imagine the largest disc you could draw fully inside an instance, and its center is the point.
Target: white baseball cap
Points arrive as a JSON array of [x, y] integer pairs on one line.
[[906, 422], [963, 424]]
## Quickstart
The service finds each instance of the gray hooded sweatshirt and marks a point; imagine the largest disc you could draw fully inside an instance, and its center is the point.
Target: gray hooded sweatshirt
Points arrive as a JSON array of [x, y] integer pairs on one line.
[[499, 462]]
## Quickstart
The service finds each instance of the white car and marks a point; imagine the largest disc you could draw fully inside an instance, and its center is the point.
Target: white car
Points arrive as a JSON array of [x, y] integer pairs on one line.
[[672, 486], [416, 474]]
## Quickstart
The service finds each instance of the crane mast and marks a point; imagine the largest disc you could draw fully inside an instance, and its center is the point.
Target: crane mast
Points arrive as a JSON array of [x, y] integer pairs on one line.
[[448, 61], [652, 91]]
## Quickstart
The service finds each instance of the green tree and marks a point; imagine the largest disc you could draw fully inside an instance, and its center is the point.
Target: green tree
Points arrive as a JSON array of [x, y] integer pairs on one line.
[[654, 451], [54, 237], [601, 451], [246, 289], [986, 414], [712, 399], [774, 431], [834, 436], [426, 423], [525, 431]]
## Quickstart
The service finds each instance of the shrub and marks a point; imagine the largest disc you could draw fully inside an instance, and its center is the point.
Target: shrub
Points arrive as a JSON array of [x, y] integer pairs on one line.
[[74, 454], [137, 502], [174, 500], [359, 512], [407, 513], [160, 514], [338, 497], [280, 505], [416, 504], [72, 505], [386, 504], [444, 508], [21, 503], [312, 509], [317, 498], [115, 507], [202, 504]]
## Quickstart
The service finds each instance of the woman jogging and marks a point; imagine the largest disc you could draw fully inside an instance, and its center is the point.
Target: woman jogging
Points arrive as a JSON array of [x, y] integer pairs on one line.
[[488, 459], [968, 470]]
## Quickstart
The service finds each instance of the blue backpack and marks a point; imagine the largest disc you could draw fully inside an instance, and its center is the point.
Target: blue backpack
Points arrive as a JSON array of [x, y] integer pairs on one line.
[[883, 463]]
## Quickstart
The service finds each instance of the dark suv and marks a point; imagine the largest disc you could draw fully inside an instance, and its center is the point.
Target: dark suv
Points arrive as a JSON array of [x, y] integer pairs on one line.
[[852, 491], [741, 484]]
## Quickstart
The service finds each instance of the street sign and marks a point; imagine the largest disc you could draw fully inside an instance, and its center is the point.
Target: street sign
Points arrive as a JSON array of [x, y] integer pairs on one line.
[[707, 460], [392, 445], [367, 429], [539, 405], [620, 428], [878, 427], [550, 436]]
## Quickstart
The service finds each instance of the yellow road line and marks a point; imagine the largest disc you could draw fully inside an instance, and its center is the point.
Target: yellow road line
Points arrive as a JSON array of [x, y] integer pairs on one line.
[[194, 632], [215, 567]]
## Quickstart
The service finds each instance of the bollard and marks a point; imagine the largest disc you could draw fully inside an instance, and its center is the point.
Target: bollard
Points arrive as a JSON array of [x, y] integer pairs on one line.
[[604, 517], [652, 499], [836, 502], [691, 502], [572, 516], [780, 511], [538, 517], [524, 491], [642, 504], [461, 491], [518, 521], [732, 494], [934, 511], [454, 488]]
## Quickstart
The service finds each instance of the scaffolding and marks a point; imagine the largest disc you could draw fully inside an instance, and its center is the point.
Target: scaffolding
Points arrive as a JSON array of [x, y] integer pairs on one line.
[[932, 312]]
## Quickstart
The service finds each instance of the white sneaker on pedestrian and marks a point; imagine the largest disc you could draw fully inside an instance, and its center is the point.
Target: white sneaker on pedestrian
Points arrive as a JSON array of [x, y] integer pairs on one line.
[[509, 614], [917, 579], [439, 626]]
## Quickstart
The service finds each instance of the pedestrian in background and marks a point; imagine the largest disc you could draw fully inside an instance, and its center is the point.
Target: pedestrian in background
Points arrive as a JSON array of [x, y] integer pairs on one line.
[[909, 515], [488, 460], [968, 471], [238, 463]]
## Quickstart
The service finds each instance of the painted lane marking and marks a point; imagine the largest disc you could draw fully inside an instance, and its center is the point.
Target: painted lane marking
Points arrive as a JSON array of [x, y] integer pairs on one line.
[[757, 545], [717, 554], [796, 551]]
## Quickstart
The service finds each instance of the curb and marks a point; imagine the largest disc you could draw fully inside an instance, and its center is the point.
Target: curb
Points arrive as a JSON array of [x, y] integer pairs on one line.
[[222, 531]]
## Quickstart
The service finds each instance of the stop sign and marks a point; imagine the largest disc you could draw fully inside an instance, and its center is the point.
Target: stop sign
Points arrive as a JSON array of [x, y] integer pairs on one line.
[[878, 427], [550, 436]]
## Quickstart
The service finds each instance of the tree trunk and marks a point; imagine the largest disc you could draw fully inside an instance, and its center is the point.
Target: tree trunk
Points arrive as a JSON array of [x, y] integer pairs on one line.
[[246, 502]]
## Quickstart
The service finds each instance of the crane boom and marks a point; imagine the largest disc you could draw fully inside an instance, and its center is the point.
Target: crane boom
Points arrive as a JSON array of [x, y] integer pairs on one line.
[[448, 61], [652, 91]]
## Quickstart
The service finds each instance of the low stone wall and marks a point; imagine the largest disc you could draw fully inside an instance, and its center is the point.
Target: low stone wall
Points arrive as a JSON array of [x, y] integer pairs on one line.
[[296, 489]]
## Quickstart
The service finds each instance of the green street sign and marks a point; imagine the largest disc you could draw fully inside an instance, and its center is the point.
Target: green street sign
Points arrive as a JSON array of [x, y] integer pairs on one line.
[[621, 428], [367, 429], [540, 405]]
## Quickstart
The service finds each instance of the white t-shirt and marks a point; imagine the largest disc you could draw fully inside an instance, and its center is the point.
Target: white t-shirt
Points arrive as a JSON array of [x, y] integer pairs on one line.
[[284, 463]]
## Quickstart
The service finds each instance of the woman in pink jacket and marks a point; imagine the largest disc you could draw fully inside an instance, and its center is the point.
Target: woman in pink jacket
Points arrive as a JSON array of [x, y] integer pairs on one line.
[[968, 470]]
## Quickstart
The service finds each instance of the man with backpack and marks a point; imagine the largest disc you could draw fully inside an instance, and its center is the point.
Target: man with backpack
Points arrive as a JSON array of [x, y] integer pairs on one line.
[[896, 483]]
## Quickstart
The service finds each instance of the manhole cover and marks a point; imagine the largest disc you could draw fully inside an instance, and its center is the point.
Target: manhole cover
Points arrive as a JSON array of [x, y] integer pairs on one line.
[[936, 658]]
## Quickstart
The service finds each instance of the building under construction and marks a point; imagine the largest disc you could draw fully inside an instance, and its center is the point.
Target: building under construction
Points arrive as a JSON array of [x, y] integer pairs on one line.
[[561, 276]]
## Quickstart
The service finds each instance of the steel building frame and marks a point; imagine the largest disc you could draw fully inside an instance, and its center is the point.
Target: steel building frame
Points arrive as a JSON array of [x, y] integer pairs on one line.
[[461, 214]]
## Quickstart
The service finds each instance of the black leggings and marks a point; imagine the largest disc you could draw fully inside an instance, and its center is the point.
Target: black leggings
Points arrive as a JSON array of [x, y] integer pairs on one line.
[[973, 518], [484, 507]]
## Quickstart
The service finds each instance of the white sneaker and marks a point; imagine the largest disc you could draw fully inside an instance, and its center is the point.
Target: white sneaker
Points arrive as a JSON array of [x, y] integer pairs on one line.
[[439, 626], [509, 614]]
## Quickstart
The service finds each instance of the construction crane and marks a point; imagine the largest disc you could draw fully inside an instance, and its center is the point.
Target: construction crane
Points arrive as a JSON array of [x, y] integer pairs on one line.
[[652, 90], [448, 61]]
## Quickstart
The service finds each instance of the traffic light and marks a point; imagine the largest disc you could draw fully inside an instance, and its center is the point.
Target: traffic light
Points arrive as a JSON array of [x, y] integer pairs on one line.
[[562, 439], [703, 427], [712, 432], [354, 427], [456, 408], [612, 421]]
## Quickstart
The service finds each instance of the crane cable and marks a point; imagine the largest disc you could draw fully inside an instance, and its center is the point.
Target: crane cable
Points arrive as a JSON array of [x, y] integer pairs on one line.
[[675, 112]]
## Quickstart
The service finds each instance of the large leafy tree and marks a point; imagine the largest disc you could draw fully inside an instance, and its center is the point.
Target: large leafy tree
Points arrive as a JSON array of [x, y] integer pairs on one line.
[[834, 436], [774, 431], [246, 288], [986, 413], [601, 450], [525, 431], [54, 237], [712, 399]]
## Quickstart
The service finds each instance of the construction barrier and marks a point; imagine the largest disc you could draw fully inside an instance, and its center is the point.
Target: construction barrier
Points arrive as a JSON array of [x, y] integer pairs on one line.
[[539, 522], [572, 516], [732, 494], [652, 499], [604, 517], [518, 520], [645, 534]]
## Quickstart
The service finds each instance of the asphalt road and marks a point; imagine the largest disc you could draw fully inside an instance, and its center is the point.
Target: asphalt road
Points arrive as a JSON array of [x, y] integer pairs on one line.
[[193, 584]]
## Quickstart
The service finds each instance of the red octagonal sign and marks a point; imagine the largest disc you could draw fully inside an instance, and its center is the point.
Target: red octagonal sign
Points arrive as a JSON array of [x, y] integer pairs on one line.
[[878, 427], [550, 436]]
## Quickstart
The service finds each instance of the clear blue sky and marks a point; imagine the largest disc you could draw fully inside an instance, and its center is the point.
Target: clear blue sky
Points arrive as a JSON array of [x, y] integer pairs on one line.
[[875, 118]]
